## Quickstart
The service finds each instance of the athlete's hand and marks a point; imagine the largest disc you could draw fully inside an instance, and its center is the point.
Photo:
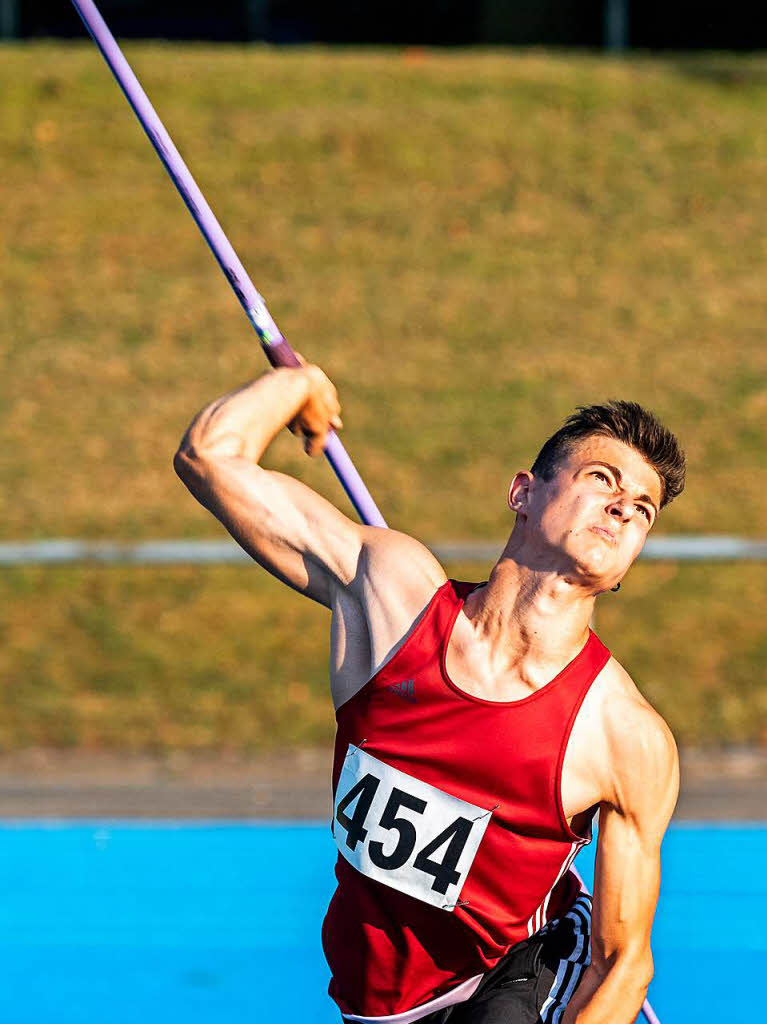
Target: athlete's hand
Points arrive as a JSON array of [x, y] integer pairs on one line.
[[320, 413]]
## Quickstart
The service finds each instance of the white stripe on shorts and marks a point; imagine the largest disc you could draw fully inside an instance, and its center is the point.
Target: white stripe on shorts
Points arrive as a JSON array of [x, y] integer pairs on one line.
[[570, 970]]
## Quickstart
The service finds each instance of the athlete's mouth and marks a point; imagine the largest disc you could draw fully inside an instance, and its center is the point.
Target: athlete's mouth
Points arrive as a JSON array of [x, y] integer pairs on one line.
[[602, 531]]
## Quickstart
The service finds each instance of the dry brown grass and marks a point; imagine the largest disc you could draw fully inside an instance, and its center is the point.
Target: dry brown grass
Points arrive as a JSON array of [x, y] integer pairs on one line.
[[471, 246]]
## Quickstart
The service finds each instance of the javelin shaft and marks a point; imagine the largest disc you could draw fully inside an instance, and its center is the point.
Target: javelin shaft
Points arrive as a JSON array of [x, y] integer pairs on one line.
[[276, 348]]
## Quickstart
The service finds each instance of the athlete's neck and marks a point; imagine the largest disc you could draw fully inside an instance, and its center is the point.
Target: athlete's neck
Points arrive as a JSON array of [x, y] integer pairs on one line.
[[529, 620]]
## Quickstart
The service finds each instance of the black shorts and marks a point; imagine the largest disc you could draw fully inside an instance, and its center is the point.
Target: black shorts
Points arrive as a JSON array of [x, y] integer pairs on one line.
[[536, 979]]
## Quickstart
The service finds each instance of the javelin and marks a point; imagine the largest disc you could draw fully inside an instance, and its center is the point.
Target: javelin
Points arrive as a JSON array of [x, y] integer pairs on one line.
[[276, 348]]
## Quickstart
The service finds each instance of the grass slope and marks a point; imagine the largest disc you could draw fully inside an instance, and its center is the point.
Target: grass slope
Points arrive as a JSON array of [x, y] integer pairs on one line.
[[471, 244]]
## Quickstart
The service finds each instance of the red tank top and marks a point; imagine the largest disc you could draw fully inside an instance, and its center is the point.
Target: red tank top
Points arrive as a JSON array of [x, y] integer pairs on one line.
[[453, 844]]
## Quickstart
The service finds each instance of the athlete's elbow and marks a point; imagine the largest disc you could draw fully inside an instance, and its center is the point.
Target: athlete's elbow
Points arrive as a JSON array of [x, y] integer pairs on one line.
[[637, 975], [186, 462], [193, 469], [637, 962], [634, 968], [644, 973], [635, 987]]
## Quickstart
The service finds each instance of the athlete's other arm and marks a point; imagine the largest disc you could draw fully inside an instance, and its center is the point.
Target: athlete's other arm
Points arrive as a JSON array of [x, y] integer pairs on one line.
[[632, 822], [288, 528]]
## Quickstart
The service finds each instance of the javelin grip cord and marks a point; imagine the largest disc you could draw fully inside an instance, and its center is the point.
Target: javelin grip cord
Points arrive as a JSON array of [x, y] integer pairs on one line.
[[273, 342], [276, 348]]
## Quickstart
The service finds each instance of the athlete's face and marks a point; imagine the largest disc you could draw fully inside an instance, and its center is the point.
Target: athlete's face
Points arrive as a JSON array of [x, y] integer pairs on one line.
[[593, 516]]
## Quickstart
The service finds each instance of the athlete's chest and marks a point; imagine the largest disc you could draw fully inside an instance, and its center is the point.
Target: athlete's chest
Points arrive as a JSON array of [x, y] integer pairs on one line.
[[470, 667], [518, 729], [524, 757]]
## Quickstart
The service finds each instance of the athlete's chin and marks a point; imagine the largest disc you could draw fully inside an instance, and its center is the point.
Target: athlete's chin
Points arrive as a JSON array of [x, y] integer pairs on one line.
[[595, 570]]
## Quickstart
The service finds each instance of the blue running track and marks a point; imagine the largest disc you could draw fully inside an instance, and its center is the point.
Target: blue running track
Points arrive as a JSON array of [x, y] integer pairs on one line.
[[127, 923]]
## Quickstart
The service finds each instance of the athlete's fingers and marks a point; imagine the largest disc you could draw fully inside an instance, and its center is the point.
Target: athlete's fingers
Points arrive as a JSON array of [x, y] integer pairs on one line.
[[334, 410], [315, 443], [335, 416], [320, 413]]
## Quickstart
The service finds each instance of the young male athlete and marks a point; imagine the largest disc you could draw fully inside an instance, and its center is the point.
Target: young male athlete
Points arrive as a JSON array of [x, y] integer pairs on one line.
[[480, 726]]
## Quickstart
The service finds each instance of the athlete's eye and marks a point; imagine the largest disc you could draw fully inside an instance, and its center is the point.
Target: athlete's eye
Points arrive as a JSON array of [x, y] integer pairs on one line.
[[602, 476], [645, 512]]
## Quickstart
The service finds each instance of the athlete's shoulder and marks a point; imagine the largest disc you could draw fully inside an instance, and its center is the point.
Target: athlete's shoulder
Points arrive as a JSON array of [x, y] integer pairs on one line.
[[395, 579], [627, 715], [389, 556], [642, 751]]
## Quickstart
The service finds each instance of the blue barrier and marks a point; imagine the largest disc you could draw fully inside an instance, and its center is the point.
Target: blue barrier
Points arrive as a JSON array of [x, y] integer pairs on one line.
[[215, 923]]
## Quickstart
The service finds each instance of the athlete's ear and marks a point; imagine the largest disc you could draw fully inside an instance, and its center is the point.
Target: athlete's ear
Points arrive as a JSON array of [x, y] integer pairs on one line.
[[519, 491]]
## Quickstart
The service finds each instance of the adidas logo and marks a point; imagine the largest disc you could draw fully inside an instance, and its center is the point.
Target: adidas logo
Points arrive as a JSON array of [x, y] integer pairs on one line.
[[406, 690]]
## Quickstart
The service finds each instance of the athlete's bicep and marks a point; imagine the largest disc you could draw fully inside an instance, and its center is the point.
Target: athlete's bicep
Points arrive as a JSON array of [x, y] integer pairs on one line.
[[626, 882], [631, 827], [289, 529], [306, 542]]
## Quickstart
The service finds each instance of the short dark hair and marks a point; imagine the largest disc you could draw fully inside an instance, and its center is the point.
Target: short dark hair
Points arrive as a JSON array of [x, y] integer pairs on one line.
[[628, 422]]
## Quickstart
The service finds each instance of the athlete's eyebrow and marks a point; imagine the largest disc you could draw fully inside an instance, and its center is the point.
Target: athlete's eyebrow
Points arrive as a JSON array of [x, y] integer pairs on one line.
[[619, 476]]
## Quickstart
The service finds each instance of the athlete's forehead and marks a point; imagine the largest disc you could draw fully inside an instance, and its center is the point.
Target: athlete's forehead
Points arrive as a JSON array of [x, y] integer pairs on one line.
[[630, 468]]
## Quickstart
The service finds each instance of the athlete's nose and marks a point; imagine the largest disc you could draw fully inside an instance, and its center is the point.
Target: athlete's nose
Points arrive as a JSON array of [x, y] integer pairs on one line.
[[620, 509]]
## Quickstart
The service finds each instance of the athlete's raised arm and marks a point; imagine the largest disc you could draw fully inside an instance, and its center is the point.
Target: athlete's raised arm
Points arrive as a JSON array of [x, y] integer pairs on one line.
[[627, 874], [288, 528], [285, 526]]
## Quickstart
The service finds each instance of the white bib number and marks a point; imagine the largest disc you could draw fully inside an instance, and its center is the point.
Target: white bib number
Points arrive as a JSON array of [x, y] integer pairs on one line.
[[403, 832]]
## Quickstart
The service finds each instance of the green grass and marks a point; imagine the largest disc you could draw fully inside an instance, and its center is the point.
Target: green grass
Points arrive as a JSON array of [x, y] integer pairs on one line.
[[471, 244], [227, 658]]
